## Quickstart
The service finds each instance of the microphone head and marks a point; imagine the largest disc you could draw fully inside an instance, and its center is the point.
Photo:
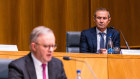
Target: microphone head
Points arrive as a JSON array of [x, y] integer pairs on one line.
[[66, 58]]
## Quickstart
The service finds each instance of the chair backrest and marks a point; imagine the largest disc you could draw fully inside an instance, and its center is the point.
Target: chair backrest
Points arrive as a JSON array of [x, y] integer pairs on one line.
[[4, 68], [73, 42]]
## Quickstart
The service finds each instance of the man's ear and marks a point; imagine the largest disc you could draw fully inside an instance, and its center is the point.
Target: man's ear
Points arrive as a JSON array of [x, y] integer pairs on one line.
[[33, 46], [109, 19], [94, 18]]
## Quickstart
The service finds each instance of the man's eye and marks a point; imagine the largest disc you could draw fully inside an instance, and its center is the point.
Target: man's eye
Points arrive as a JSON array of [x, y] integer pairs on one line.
[[45, 46], [98, 17], [104, 17]]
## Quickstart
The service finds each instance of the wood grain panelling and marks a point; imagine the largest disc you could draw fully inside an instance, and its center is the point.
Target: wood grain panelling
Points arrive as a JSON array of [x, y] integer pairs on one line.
[[125, 16], [8, 22], [25, 23], [61, 16], [51, 13], [77, 15], [19, 17], [54, 17]]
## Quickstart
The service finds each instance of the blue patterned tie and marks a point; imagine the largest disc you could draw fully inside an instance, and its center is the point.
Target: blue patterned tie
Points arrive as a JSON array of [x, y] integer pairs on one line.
[[102, 40]]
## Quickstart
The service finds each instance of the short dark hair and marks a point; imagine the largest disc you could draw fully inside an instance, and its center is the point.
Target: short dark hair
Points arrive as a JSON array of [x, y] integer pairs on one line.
[[101, 9]]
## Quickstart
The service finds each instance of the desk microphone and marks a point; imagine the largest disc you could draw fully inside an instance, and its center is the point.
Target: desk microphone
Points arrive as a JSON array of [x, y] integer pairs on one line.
[[111, 27], [66, 58], [69, 58]]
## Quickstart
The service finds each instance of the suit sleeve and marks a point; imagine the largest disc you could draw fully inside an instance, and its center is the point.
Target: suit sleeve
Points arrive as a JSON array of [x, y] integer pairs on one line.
[[83, 43], [14, 72], [63, 75]]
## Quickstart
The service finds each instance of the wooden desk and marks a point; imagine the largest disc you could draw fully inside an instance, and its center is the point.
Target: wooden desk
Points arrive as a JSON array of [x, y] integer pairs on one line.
[[104, 66], [124, 66]]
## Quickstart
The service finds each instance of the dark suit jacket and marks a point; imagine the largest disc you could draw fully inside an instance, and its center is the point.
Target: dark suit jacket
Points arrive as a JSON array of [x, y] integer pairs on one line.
[[23, 68], [88, 40]]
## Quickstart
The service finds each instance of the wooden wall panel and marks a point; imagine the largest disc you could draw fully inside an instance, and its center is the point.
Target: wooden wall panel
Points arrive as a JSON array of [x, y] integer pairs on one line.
[[19, 17], [54, 17], [61, 16], [25, 23], [124, 14], [8, 22], [16, 22], [77, 15]]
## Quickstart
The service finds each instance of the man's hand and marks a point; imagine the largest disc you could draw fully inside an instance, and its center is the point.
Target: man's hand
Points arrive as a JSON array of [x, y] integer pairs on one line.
[[103, 51]]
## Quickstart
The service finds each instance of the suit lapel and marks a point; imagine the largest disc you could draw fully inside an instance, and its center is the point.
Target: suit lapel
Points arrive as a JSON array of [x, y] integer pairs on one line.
[[30, 67], [94, 37], [51, 70], [108, 32]]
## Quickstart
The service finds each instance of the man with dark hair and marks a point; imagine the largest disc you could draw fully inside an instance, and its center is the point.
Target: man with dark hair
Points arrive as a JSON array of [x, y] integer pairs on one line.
[[95, 40], [39, 63]]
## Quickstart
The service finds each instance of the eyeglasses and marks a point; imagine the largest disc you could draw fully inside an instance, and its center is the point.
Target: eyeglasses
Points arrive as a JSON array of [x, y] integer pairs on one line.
[[104, 18], [48, 46]]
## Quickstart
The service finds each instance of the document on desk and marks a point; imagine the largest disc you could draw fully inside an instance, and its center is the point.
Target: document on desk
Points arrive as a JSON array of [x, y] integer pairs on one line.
[[8, 47], [130, 52]]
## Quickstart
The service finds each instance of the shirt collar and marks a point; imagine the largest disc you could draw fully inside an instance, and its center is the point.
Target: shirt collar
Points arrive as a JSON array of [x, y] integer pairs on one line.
[[36, 60], [98, 31]]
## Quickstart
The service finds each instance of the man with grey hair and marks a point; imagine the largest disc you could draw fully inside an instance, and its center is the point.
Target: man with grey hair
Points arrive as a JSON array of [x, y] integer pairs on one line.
[[94, 40], [39, 63]]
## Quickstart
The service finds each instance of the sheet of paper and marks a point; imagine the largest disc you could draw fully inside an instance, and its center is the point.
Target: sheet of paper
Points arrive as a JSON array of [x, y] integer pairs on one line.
[[130, 52], [8, 47]]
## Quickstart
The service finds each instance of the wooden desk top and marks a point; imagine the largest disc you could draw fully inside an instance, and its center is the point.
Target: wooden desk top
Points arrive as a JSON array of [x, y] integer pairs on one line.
[[17, 54], [105, 66]]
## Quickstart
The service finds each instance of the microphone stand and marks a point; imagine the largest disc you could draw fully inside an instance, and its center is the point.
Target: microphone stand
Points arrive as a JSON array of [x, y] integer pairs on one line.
[[111, 27], [125, 41], [87, 66]]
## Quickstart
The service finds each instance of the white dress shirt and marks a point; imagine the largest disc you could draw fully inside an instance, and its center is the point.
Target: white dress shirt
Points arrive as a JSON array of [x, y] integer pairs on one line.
[[38, 68], [98, 38]]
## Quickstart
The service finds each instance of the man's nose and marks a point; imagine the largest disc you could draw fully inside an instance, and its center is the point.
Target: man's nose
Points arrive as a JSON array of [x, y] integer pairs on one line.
[[51, 48], [101, 20]]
